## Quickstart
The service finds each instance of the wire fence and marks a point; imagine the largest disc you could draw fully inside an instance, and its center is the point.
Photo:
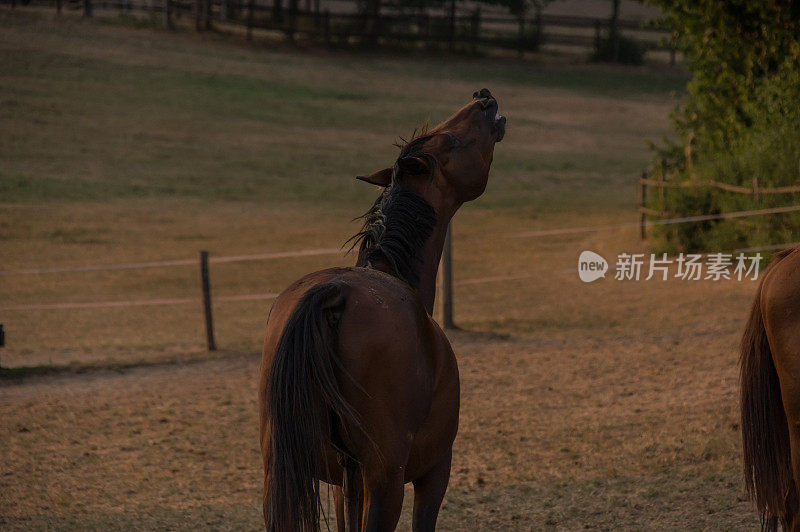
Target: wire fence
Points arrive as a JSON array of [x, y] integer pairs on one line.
[[447, 281]]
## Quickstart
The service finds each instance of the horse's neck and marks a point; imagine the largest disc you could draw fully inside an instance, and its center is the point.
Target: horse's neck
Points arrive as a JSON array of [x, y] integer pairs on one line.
[[431, 253], [407, 214]]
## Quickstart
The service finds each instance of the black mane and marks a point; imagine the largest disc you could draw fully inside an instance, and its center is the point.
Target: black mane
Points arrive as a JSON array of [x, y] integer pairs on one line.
[[395, 229]]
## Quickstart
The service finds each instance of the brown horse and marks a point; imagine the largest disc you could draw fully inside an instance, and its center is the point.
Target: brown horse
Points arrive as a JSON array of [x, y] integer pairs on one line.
[[770, 394], [359, 386]]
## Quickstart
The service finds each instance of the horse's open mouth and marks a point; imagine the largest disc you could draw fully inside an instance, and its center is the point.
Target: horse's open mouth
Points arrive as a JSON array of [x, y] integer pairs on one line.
[[499, 126], [498, 121]]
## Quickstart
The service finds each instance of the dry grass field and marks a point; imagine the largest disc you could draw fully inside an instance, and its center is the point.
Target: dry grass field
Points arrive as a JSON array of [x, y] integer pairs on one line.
[[609, 405]]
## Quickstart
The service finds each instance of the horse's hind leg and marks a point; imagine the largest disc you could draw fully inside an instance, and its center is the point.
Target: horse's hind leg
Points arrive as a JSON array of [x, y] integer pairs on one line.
[[429, 491], [383, 502], [338, 501], [352, 495], [786, 354]]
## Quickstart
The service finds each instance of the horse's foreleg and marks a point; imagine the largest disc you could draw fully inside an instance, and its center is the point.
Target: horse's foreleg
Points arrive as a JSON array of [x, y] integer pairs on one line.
[[429, 491]]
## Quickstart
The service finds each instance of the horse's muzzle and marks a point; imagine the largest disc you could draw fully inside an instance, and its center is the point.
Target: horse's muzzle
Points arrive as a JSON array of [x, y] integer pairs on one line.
[[488, 103]]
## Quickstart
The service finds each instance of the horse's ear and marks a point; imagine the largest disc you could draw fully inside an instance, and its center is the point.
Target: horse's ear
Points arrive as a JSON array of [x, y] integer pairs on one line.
[[413, 165], [382, 178]]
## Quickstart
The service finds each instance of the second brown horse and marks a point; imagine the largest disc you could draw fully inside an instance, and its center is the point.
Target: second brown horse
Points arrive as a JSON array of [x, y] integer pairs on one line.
[[770, 395], [359, 386]]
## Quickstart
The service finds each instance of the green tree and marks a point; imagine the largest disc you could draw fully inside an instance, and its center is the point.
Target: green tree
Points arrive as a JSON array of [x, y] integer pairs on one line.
[[731, 48], [738, 123]]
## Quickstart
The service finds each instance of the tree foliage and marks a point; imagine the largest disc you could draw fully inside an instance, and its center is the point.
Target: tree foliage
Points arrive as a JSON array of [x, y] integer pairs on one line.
[[738, 123], [731, 48]]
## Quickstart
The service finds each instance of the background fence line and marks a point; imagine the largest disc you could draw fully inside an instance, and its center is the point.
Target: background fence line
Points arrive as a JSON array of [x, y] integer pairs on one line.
[[179, 262], [337, 251], [446, 284], [449, 26], [268, 296]]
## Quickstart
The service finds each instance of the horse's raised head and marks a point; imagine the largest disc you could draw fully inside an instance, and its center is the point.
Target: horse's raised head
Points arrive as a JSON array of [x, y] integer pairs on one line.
[[449, 164]]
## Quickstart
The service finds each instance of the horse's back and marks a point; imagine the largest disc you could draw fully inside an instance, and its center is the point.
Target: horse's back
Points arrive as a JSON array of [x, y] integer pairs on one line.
[[394, 360]]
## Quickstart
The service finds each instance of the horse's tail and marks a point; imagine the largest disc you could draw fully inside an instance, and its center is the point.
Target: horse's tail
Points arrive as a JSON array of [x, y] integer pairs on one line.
[[765, 434], [303, 398]]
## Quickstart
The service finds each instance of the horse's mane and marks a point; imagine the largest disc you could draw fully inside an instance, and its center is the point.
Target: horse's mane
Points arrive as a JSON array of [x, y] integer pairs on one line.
[[398, 224]]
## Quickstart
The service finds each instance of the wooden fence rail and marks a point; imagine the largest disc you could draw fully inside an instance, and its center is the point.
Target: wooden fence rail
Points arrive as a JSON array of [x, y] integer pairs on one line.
[[661, 184], [752, 190]]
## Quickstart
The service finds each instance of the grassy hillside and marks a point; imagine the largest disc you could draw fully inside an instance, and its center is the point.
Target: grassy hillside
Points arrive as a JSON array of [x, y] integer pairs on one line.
[[127, 144], [97, 112]]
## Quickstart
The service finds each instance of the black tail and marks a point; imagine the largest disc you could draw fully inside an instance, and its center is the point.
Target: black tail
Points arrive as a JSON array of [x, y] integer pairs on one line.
[[765, 433], [302, 398]]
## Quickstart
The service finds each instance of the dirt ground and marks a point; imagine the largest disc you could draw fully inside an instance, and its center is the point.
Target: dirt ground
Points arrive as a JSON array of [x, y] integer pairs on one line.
[[592, 431]]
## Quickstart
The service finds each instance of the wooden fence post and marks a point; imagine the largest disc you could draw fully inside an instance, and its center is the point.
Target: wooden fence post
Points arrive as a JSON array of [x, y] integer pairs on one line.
[[643, 218], [291, 27], [250, 20], [597, 38], [521, 36], [87, 8], [212, 346], [424, 28], [326, 27], [165, 14], [662, 177], [447, 280], [755, 189], [672, 52], [613, 31], [58, 7], [452, 24], [476, 28], [198, 15]]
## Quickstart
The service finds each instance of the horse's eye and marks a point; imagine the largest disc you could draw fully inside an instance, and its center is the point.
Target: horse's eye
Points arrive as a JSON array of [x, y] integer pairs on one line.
[[455, 142]]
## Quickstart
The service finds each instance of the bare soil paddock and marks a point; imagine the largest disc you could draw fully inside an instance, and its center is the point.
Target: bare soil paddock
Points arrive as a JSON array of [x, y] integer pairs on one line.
[[597, 431]]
